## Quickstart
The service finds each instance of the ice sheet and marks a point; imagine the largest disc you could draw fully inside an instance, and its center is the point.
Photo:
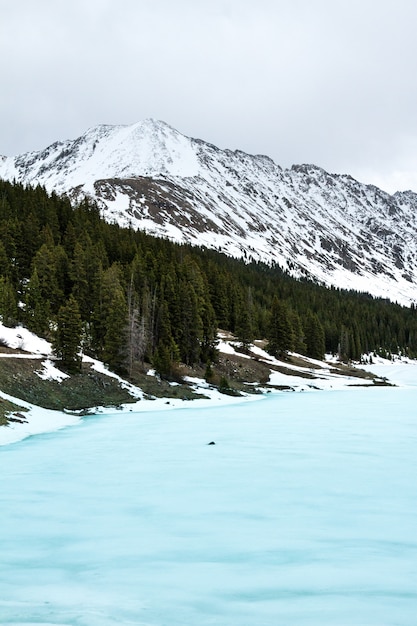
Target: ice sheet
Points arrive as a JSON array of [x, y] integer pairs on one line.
[[304, 513]]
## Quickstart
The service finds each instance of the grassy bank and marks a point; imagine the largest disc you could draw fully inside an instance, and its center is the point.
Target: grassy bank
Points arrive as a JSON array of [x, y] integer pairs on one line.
[[18, 378], [232, 374], [89, 388]]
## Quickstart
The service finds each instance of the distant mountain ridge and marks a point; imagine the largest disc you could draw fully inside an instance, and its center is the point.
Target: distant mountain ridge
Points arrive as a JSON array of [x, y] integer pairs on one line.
[[323, 226]]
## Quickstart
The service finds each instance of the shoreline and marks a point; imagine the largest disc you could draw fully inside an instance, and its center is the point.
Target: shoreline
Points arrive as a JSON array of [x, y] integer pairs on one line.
[[308, 376], [41, 421]]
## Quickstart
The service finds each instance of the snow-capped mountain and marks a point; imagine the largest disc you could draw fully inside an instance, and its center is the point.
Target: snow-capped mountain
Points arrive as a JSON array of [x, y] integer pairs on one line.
[[312, 223]]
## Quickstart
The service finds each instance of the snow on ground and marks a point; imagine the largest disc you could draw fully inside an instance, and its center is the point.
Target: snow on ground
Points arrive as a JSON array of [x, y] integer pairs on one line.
[[39, 421], [101, 368], [324, 377], [225, 347], [22, 339], [50, 372], [401, 372]]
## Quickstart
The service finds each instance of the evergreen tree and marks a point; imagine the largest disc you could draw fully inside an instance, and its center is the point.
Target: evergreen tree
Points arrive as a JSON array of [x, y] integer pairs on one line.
[[191, 328], [37, 309], [166, 353], [280, 330], [5, 264], [114, 348], [66, 342], [344, 348], [109, 316], [110, 319], [218, 294], [314, 337], [31, 242], [10, 240], [298, 333], [50, 264], [208, 342], [135, 347], [8, 302], [244, 319], [85, 272]]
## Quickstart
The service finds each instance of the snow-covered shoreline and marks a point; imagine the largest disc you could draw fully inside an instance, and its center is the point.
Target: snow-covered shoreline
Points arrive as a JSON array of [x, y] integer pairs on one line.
[[37, 420], [40, 420]]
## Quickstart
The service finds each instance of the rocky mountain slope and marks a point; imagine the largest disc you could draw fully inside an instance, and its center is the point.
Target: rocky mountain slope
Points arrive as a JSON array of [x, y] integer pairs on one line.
[[315, 224]]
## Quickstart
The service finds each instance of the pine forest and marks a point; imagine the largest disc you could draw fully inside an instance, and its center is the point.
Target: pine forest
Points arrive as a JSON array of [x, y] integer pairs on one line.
[[128, 298]]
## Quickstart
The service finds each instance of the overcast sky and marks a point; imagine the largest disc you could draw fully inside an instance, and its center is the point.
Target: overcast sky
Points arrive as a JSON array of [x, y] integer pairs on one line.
[[329, 82]]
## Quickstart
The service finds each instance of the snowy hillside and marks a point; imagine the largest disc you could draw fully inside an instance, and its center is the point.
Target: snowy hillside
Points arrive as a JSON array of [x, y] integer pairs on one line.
[[328, 227]]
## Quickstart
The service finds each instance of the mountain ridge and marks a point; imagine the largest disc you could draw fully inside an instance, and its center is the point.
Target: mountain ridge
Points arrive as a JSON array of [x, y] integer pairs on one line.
[[328, 227]]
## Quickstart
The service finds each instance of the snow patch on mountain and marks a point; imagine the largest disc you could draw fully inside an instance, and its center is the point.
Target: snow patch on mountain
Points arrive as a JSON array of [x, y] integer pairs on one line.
[[148, 147]]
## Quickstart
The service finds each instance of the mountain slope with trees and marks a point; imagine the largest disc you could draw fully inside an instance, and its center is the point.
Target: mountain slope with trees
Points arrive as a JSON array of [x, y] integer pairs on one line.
[[129, 298]]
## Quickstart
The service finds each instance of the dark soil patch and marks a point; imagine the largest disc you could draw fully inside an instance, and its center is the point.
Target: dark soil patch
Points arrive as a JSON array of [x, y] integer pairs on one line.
[[87, 389], [290, 372], [156, 387], [348, 370], [7, 409], [242, 374]]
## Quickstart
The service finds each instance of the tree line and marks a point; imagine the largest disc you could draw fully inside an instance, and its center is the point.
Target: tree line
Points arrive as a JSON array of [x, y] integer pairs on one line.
[[128, 298]]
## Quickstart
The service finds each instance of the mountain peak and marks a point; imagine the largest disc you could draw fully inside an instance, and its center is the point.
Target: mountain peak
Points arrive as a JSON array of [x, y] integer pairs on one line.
[[313, 224], [147, 148]]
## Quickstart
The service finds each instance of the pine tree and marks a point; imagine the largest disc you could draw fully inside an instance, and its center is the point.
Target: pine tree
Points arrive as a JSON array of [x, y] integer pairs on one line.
[[314, 337], [280, 330], [66, 342], [31, 239], [5, 264], [50, 264], [298, 333], [135, 347], [209, 341], [85, 272], [8, 302], [109, 318], [37, 309], [344, 348], [10, 240], [114, 348], [191, 328], [244, 319], [218, 294]]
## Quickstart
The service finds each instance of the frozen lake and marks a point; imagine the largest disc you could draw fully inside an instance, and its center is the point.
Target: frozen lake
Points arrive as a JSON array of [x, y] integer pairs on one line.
[[303, 513]]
